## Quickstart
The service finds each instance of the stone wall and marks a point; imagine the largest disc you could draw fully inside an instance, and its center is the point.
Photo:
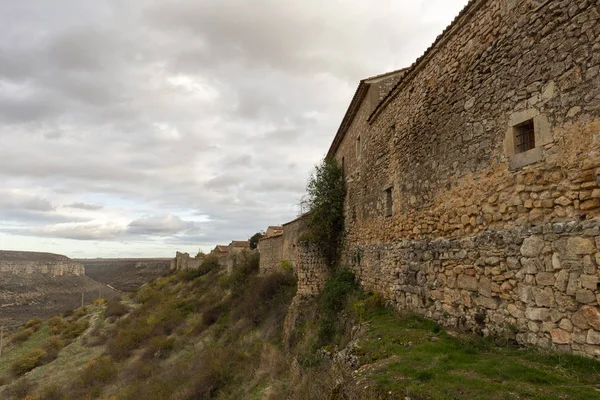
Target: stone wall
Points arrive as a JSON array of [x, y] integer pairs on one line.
[[311, 269], [444, 214], [51, 268], [183, 261], [304, 258], [538, 283], [283, 248], [271, 254]]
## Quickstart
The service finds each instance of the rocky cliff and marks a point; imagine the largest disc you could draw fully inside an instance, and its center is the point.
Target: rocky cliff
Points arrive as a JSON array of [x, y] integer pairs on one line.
[[43, 284]]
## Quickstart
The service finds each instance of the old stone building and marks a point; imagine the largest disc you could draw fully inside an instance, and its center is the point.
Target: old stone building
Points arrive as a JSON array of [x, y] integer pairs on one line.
[[221, 252], [235, 250], [473, 183], [473, 177], [183, 261], [286, 250]]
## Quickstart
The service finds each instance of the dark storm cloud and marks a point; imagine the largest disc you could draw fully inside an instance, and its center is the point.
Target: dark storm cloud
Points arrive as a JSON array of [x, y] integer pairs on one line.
[[191, 122]]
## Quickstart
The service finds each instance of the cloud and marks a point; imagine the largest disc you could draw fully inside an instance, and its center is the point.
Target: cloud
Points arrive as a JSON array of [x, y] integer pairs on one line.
[[180, 123], [20, 200], [162, 225], [84, 206]]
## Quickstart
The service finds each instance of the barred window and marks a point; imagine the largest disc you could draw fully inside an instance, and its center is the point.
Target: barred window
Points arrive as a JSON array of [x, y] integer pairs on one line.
[[524, 136]]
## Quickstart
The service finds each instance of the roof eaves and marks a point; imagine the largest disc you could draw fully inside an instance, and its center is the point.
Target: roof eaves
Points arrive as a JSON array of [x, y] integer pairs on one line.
[[359, 95]]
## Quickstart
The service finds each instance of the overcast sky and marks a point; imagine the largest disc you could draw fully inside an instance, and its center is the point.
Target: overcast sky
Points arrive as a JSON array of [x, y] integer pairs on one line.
[[141, 127]]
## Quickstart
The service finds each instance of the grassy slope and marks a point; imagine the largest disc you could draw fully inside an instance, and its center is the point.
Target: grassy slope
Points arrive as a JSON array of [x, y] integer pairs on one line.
[[413, 356], [195, 336], [12, 352]]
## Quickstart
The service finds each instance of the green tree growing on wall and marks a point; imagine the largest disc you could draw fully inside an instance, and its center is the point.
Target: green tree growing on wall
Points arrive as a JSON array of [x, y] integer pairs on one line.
[[254, 239], [326, 193]]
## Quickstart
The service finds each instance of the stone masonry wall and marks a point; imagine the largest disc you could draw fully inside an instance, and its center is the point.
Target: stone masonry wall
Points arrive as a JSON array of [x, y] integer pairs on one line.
[[284, 248], [539, 283], [312, 270], [52, 268], [271, 254], [436, 166], [305, 258], [183, 261]]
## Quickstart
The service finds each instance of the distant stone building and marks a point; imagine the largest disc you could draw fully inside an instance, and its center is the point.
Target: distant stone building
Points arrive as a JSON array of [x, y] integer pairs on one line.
[[473, 176], [234, 252], [287, 250], [273, 231], [221, 252], [183, 261]]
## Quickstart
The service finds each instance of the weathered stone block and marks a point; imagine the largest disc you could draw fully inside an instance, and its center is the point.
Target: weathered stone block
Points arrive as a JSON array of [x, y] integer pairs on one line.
[[585, 296], [593, 337], [544, 297], [590, 204], [530, 265], [515, 311], [545, 278], [537, 314], [566, 325], [560, 336], [532, 246], [580, 246], [589, 281], [467, 282], [562, 279], [587, 316]]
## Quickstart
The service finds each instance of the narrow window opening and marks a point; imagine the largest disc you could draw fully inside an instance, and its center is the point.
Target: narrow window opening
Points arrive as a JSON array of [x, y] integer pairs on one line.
[[388, 202], [524, 136], [343, 168], [358, 146]]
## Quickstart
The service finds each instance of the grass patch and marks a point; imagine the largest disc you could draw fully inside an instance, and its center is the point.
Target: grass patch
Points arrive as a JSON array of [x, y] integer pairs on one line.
[[429, 363], [13, 352]]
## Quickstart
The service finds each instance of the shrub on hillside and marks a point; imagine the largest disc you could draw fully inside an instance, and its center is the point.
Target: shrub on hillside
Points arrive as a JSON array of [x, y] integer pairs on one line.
[[213, 370], [98, 371], [56, 324], [265, 297], [81, 311], [127, 340], [210, 262], [28, 362], [334, 296], [21, 335], [114, 308], [247, 265], [332, 301], [34, 324], [211, 315], [52, 346], [159, 347], [52, 392], [74, 329], [21, 389]]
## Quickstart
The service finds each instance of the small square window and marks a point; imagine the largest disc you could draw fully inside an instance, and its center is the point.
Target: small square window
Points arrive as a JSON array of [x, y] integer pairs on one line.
[[524, 136], [358, 146], [388, 202]]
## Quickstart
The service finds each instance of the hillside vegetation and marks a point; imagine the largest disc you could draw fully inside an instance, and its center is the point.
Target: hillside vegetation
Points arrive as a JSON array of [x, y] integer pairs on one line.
[[206, 335]]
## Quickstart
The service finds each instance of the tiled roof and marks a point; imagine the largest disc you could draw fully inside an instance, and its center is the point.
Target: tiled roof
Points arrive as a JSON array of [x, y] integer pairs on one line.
[[240, 243]]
